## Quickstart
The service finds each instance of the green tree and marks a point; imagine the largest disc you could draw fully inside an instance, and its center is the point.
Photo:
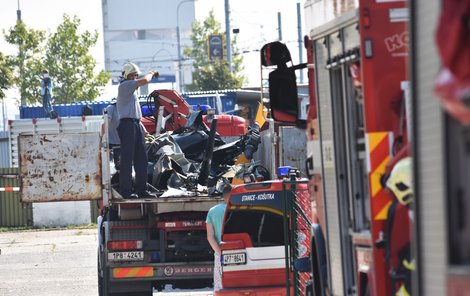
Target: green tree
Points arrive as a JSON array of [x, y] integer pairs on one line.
[[65, 54], [70, 64], [6, 77], [25, 66], [212, 75]]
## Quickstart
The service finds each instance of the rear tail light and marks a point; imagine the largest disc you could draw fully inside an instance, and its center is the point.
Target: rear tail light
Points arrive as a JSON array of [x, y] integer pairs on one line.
[[125, 245]]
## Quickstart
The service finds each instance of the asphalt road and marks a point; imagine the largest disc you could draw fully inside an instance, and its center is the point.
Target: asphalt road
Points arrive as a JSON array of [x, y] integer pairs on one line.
[[55, 262]]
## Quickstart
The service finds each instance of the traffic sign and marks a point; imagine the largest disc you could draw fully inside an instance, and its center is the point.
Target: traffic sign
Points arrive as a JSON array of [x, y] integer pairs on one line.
[[216, 47]]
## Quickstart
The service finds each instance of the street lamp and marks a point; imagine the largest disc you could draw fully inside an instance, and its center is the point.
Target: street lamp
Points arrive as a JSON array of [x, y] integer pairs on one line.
[[180, 74]]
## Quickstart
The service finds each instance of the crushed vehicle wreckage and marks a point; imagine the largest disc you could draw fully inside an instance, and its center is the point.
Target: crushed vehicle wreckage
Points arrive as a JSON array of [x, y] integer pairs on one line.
[[190, 157]]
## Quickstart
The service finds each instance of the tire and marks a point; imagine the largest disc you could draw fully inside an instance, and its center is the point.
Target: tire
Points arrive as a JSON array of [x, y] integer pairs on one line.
[[103, 280], [100, 278]]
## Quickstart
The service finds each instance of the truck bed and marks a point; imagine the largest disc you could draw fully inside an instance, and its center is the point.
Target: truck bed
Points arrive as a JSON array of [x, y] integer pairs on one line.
[[179, 203]]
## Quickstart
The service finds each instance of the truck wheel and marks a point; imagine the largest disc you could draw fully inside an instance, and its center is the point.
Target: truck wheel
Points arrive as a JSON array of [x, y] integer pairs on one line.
[[100, 278], [102, 284], [103, 280]]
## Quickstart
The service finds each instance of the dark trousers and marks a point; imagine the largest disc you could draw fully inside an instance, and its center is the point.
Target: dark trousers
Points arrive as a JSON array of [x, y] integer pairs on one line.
[[46, 103], [116, 154], [132, 152]]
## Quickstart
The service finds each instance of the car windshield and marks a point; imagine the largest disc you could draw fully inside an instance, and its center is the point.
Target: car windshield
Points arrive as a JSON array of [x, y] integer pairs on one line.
[[265, 227]]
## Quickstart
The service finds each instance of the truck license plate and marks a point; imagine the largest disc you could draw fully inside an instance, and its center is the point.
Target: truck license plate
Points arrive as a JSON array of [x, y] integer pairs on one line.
[[126, 256], [234, 259]]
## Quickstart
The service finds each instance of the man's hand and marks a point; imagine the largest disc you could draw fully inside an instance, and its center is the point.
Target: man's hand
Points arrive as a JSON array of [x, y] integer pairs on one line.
[[154, 74]]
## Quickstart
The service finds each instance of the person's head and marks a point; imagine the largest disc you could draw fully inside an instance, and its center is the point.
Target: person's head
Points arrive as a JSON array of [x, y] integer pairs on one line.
[[45, 73], [226, 192], [130, 71]]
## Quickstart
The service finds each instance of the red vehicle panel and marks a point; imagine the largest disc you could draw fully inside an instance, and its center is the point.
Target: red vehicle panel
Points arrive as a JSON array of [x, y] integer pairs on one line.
[[252, 233]]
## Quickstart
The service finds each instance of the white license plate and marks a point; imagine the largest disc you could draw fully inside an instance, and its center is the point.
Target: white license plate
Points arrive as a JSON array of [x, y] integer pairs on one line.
[[234, 259], [126, 256]]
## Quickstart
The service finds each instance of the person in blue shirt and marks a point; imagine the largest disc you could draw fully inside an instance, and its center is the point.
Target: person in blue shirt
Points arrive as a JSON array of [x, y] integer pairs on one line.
[[46, 92], [214, 222]]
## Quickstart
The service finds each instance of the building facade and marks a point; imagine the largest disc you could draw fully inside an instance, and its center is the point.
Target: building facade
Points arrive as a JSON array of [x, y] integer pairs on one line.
[[145, 33]]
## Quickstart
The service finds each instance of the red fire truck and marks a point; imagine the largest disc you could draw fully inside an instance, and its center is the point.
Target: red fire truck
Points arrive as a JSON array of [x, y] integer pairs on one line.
[[356, 125], [374, 100]]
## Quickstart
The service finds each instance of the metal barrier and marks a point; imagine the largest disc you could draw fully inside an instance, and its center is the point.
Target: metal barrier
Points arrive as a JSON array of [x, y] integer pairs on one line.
[[12, 212], [297, 235]]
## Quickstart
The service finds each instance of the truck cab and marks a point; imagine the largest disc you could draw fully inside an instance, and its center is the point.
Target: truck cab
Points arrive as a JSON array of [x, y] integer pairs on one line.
[[265, 230]]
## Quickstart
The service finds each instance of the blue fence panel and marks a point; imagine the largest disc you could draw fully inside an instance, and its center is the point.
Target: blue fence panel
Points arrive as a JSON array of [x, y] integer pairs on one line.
[[228, 101], [64, 110]]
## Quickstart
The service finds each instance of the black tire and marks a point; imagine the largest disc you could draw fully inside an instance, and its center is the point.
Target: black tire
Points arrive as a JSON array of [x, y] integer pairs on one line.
[[100, 285], [103, 280]]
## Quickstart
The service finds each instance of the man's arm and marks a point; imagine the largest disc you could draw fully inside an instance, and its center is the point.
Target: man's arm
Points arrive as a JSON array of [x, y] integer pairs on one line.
[[211, 238], [146, 79], [143, 128]]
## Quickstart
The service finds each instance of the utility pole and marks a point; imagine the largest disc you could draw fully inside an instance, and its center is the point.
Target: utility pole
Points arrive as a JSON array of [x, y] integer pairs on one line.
[[20, 54], [228, 42], [279, 25], [299, 32], [18, 12]]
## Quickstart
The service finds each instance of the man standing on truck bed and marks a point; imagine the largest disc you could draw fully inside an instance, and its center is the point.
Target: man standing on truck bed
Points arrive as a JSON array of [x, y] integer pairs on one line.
[[214, 221], [131, 133]]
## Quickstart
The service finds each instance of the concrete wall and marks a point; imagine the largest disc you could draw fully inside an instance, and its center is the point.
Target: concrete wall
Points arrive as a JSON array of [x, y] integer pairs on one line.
[[62, 213]]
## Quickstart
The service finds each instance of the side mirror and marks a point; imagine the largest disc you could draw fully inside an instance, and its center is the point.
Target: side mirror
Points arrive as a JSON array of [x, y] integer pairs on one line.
[[283, 96]]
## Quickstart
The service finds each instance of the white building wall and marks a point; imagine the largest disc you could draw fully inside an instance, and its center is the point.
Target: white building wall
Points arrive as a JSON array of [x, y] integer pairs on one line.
[[319, 12], [144, 33], [65, 213]]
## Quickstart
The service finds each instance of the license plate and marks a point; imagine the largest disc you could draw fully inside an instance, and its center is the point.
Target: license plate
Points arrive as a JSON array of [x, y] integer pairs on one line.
[[234, 259], [126, 256]]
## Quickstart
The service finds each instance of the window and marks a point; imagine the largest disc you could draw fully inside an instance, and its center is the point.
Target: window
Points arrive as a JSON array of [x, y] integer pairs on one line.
[[264, 228], [141, 34]]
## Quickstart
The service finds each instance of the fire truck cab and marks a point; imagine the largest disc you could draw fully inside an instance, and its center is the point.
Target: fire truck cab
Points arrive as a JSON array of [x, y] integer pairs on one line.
[[266, 230]]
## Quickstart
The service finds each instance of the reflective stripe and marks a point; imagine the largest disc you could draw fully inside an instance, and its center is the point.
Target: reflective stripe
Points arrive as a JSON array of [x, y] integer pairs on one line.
[[132, 272], [378, 156], [9, 188]]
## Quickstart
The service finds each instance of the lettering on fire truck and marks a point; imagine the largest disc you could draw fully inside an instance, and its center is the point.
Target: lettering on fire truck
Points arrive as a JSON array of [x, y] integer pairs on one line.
[[261, 196]]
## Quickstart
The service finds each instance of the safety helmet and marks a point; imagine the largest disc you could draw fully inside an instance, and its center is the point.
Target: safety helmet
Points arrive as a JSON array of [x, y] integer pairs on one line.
[[400, 181], [130, 68]]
